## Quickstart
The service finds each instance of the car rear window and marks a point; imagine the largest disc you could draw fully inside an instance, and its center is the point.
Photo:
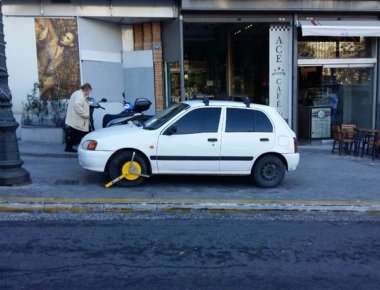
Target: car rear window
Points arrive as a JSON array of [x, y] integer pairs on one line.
[[247, 120]]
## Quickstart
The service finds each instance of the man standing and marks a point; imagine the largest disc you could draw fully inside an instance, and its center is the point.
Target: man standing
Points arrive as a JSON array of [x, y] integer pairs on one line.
[[77, 117]]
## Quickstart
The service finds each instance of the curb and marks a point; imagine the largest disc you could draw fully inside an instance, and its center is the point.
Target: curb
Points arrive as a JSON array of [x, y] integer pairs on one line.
[[49, 155], [56, 205]]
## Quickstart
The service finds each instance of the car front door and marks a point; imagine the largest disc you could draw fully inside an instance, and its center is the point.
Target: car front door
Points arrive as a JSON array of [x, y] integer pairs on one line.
[[247, 134], [192, 144]]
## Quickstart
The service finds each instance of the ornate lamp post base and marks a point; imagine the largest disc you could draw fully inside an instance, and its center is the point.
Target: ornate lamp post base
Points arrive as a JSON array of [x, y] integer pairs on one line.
[[14, 176], [11, 172]]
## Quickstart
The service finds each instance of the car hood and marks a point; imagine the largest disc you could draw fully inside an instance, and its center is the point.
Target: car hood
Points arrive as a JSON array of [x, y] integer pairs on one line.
[[116, 130], [117, 136]]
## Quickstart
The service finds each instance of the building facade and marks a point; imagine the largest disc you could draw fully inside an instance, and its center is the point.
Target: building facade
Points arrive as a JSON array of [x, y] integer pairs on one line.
[[316, 61], [54, 46]]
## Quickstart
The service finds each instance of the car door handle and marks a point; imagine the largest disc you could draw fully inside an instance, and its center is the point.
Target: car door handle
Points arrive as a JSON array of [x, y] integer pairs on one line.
[[264, 139], [212, 140]]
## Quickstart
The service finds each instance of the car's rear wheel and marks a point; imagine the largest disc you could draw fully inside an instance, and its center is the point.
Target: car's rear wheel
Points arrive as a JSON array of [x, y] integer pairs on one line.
[[269, 171], [133, 170]]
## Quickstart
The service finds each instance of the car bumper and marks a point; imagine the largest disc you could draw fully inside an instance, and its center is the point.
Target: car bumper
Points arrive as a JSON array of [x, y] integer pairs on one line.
[[93, 160], [293, 160]]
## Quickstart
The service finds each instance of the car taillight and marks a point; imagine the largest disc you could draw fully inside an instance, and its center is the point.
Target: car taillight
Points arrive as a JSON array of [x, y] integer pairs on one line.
[[295, 145]]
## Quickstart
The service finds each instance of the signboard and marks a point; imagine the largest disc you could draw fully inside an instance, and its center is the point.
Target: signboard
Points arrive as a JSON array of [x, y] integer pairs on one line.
[[279, 69], [320, 123]]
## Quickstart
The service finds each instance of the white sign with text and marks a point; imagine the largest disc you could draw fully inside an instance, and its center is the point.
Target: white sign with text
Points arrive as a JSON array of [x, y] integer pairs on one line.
[[279, 69]]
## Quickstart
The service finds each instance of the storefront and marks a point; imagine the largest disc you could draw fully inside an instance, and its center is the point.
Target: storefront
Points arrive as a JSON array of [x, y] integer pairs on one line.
[[315, 61], [337, 74], [235, 57]]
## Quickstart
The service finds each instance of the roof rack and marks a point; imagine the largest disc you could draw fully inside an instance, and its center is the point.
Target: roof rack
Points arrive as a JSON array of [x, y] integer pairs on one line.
[[206, 100], [247, 102]]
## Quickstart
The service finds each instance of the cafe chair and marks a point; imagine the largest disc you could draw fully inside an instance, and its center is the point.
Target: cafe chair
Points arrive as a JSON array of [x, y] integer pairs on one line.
[[368, 143], [359, 143], [376, 146], [348, 137], [337, 138]]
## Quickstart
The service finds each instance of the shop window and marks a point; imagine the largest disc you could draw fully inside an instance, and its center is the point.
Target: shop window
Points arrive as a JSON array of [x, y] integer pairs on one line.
[[344, 94], [205, 51], [224, 60], [250, 62], [334, 92], [173, 87], [205, 120], [330, 47], [245, 120]]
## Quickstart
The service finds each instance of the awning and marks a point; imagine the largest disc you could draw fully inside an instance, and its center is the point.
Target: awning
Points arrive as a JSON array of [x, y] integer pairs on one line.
[[340, 28]]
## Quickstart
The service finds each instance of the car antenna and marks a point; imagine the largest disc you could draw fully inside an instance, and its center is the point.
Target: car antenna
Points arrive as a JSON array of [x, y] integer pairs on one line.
[[206, 101], [247, 102]]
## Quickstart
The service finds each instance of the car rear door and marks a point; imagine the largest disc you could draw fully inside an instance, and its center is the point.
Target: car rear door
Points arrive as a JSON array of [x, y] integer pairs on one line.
[[191, 144], [247, 134]]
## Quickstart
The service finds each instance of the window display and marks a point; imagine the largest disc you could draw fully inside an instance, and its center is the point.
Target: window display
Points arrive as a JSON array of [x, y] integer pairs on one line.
[[347, 91], [205, 61], [336, 73], [223, 60], [173, 86], [330, 47]]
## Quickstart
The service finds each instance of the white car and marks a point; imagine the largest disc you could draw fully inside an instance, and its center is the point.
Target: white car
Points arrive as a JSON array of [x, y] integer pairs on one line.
[[196, 137]]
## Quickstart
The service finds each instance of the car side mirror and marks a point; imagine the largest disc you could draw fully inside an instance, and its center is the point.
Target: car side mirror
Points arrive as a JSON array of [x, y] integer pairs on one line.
[[171, 130]]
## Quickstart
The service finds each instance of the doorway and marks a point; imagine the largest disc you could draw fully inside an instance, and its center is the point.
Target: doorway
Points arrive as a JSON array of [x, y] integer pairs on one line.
[[345, 93], [227, 60], [336, 77]]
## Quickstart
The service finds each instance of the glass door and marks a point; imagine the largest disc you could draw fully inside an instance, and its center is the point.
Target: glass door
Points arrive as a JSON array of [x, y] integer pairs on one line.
[[350, 93], [173, 87], [346, 91]]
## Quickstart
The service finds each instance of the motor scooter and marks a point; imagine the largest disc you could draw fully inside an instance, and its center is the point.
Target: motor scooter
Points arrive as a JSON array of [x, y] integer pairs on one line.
[[131, 113], [95, 106]]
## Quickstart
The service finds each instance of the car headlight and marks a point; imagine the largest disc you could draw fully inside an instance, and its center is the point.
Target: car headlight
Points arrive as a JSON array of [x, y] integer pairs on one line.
[[89, 145]]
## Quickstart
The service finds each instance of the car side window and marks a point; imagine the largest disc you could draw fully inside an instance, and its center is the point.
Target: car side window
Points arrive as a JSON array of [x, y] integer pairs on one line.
[[247, 120], [203, 120], [262, 123], [240, 120]]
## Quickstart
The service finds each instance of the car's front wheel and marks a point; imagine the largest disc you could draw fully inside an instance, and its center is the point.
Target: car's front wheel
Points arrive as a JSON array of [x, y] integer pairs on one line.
[[133, 171], [269, 171]]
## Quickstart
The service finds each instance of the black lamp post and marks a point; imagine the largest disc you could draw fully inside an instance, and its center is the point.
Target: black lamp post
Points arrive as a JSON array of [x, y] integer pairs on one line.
[[11, 171]]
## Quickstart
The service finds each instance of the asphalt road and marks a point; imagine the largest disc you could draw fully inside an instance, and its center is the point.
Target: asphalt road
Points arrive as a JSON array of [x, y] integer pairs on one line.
[[190, 251]]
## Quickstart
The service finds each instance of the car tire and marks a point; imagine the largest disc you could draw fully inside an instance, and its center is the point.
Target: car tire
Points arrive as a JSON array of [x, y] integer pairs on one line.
[[122, 161], [269, 171]]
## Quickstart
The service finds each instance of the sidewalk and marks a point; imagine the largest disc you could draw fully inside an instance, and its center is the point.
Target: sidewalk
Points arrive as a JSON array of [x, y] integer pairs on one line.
[[37, 149], [324, 181]]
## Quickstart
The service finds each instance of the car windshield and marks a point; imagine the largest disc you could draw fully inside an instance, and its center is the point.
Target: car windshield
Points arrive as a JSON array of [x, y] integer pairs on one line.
[[161, 118]]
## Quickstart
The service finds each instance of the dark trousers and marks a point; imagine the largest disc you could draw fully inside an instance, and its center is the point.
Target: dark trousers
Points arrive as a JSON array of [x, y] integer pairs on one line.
[[73, 137]]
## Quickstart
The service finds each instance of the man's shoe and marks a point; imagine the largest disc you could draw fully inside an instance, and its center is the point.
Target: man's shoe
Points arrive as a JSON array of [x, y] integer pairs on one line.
[[72, 150]]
